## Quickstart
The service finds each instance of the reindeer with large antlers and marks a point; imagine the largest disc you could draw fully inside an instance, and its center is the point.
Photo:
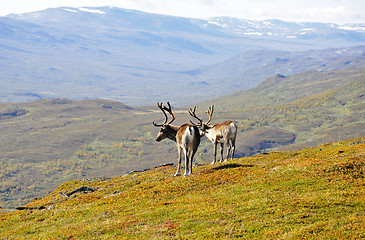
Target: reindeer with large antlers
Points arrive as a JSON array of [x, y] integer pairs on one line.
[[223, 133], [187, 138]]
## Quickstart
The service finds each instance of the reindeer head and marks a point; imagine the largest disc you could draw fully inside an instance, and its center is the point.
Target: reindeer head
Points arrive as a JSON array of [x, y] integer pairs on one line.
[[165, 128]]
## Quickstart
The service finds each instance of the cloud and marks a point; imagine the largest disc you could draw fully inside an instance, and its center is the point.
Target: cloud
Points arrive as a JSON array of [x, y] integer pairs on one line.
[[327, 14], [330, 13], [336, 14]]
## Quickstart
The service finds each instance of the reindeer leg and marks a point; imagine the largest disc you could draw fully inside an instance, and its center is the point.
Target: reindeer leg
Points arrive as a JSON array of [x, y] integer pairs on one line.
[[192, 159], [233, 148], [178, 163], [215, 152], [186, 153], [228, 150], [222, 148]]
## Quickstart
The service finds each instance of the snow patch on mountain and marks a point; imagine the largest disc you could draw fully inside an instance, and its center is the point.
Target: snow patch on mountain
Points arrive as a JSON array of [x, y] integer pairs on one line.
[[353, 27], [91, 10], [70, 10]]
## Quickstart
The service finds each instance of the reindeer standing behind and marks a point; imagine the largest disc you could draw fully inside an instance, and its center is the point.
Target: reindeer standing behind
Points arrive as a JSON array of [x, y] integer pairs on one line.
[[187, 138], [223, 133]]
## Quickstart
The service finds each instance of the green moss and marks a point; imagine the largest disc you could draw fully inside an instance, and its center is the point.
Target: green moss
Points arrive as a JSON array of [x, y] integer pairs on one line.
[[310, 193]]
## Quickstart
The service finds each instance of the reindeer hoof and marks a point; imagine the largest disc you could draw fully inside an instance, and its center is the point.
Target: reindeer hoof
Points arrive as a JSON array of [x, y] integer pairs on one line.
[[177, 174]]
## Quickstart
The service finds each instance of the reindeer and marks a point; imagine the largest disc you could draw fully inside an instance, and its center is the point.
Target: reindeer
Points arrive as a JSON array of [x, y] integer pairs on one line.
[[187, 138], [223, 133]]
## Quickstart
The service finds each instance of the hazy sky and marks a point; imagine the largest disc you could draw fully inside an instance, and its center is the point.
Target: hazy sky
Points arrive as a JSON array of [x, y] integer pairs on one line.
[[335, 11]]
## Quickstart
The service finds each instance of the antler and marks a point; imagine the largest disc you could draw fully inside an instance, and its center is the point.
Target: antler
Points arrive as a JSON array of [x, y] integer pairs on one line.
[[163, 109], [210, 111], [159, 105], [169, 111], [192, 113]]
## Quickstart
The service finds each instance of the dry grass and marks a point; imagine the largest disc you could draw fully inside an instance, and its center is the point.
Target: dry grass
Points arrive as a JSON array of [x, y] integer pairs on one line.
[[315, 193]]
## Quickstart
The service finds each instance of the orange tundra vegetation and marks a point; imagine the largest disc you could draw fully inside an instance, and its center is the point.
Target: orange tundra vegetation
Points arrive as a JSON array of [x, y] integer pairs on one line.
[[314, 193]]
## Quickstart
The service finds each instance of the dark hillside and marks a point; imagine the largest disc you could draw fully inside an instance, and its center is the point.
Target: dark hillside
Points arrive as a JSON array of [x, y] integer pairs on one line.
[[38, 138], [55, 123], [280, 89]]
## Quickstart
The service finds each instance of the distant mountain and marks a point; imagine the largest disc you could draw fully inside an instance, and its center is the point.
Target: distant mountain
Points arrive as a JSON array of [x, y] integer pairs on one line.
[[273, 29], [252, 67], [111, 53]]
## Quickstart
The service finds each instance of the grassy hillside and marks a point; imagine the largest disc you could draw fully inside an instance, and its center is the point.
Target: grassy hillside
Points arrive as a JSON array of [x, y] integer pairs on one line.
[[280, 89], [315, 193], [318, 107]]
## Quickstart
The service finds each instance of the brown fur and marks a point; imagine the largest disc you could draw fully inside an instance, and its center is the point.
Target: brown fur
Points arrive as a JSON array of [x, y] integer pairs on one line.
[[187, 138]]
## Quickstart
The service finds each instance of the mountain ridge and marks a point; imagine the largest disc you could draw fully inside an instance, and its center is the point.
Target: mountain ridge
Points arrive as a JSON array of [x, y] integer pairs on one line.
[[111, 52]]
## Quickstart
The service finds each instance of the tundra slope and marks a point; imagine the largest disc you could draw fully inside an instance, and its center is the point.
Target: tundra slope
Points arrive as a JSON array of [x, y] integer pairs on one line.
[[310, 193]]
